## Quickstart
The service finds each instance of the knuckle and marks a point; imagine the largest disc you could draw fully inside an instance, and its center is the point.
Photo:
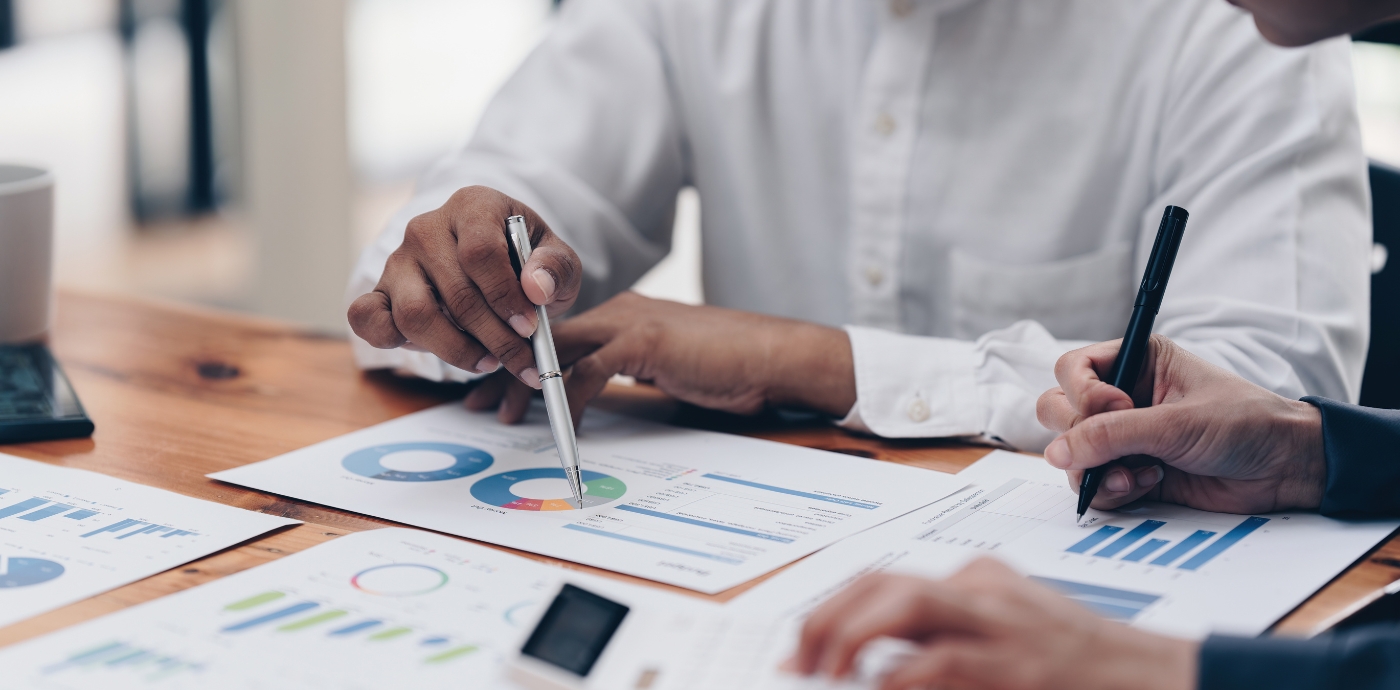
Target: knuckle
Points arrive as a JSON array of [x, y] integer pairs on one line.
[[478, 252], [414, 313], [513, 352], [461, 300]]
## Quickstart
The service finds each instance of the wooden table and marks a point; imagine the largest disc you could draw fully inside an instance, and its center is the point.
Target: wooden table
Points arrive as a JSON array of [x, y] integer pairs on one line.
[[179, 392]]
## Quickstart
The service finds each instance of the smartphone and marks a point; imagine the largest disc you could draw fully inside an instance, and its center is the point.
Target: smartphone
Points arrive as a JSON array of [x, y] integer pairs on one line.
[[36, 401]]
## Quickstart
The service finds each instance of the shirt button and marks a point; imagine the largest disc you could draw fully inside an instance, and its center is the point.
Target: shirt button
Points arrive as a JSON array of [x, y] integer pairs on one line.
[[918, 410], [901, 8], [884, 124], [874, 276]]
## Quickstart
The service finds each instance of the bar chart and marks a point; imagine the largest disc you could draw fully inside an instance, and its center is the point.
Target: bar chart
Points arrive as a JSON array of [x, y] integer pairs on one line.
[[1109, 541]]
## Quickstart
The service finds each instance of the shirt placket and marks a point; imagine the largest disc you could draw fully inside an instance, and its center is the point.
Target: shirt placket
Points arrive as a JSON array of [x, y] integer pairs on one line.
[[883, 145]]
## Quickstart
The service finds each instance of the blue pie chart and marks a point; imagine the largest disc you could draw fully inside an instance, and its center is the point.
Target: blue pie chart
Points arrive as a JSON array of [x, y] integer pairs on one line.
[[23, 572], [368, 462]]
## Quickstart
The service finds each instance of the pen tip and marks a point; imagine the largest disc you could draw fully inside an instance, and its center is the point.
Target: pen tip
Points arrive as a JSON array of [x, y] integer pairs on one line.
[[1079, 518]]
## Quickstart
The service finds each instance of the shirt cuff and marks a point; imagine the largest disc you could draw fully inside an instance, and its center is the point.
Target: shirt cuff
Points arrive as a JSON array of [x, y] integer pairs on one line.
[[910, 386], [1363, 474]]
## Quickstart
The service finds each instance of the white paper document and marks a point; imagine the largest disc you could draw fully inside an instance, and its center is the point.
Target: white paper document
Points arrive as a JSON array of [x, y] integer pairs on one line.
[[1158, 566], [697, 509], [395, 608], [67, 534]]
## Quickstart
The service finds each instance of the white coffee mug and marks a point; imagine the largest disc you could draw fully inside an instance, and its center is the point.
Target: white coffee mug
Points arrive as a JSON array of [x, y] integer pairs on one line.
[[26, 252]]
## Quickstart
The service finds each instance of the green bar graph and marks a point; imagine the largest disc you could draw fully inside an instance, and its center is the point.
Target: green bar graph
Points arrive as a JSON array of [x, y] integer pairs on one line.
[[450, 654], [257, 600], [390, 634], [314, 620]]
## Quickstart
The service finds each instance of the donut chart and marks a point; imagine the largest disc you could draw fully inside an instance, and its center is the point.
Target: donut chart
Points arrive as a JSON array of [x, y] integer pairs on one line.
[[23, 572], [367, 462], [399, 580], [598, 489]]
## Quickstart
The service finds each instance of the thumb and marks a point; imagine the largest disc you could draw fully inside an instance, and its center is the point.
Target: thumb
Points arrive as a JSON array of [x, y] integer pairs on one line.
[[553, 275], [1106, 437]]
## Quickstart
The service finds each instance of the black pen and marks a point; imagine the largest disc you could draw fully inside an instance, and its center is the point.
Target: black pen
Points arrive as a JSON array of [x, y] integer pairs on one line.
[[1127, 366]]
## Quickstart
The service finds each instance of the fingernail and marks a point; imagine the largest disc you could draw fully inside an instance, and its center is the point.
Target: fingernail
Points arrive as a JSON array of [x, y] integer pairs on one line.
[[1150, 476], [1120, 405], [522, 325], [487, 364], [531, 377], [1057, 453], [546, 283], [1117, 482]]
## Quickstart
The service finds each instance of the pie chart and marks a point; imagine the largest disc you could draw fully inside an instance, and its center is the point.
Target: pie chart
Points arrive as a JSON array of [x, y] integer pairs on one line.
[[495, 490], [399, 579], [23, 572], [417, 461]]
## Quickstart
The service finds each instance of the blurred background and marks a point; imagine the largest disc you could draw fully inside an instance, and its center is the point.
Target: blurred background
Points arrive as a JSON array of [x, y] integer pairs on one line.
[[240, 153]]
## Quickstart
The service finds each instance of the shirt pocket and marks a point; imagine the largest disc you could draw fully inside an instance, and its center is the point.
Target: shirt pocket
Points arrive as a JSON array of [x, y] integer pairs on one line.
[[1087, 297]]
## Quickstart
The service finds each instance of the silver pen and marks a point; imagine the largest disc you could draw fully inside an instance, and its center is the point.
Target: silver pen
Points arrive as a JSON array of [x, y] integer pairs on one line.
[[551, 379]]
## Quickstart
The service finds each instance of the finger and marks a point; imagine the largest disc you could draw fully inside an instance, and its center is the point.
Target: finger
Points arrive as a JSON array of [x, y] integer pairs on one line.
[[1054, 410], [1102, 438], [1081, 376], [515, 403], [822, 623], [420, 320], [371, 319], [468, 307], [1128, 484], [913, 611], [554, 275], [938, 665], [488, 392], [589, 375], [483, 256]]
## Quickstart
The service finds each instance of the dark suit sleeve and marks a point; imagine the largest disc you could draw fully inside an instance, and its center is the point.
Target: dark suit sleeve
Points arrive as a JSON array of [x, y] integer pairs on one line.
[[1363, 460], [1362, 659]]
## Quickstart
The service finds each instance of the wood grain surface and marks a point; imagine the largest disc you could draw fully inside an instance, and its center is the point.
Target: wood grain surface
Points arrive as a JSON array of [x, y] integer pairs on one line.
[[178, 392]]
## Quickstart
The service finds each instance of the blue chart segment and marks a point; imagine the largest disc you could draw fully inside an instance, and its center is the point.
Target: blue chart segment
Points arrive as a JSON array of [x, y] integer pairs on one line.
[[792, 492], [368, 462], [1230, 539], [140, 528], [1132, 537], [1185, 545], [1098, 537], [1172, 555], [48, 509], [495, 490], [24, 572], [1114, 604]]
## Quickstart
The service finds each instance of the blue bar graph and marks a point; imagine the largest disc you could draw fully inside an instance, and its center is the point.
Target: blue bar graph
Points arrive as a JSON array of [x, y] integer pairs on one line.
[[42, 513], [1145, 528], [356, 627], [1229, 539], [1098, 537], [269, 617], [114, 527], [792, 492], [80, 514], [176, 533], [148, 529], [1145, 550], [22, 506], [702, 523], [1115, 604], [1175, 552]]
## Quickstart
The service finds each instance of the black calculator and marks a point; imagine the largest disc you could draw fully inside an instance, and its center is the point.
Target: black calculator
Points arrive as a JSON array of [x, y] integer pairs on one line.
[[36, 401]]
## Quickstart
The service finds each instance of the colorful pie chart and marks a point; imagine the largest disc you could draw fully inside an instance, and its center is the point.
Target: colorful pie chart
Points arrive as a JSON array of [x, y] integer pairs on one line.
[[465, 461], [598, 489]]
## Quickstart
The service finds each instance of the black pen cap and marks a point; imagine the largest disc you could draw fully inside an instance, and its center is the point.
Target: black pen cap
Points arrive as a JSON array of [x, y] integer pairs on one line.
[[1164, 249]]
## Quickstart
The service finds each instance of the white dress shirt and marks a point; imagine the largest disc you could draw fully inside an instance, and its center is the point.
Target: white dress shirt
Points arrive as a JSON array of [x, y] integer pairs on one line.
[[970, 186]]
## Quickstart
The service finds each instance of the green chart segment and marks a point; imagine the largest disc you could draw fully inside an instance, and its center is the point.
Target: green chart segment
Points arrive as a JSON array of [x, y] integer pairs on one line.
[[495, 490], [307, 615]]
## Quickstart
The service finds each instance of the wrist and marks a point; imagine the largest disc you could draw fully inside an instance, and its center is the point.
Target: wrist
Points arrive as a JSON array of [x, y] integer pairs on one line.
[[1303, 457], [809, 366]]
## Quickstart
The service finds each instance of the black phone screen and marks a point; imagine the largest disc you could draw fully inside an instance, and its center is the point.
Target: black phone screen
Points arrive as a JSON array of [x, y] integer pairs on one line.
[[574, 630], [36, 402]]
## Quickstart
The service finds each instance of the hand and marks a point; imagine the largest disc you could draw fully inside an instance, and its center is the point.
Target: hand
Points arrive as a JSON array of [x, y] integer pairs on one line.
[[1216, 442], [717, 358], [450, 288], [988, 627]]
